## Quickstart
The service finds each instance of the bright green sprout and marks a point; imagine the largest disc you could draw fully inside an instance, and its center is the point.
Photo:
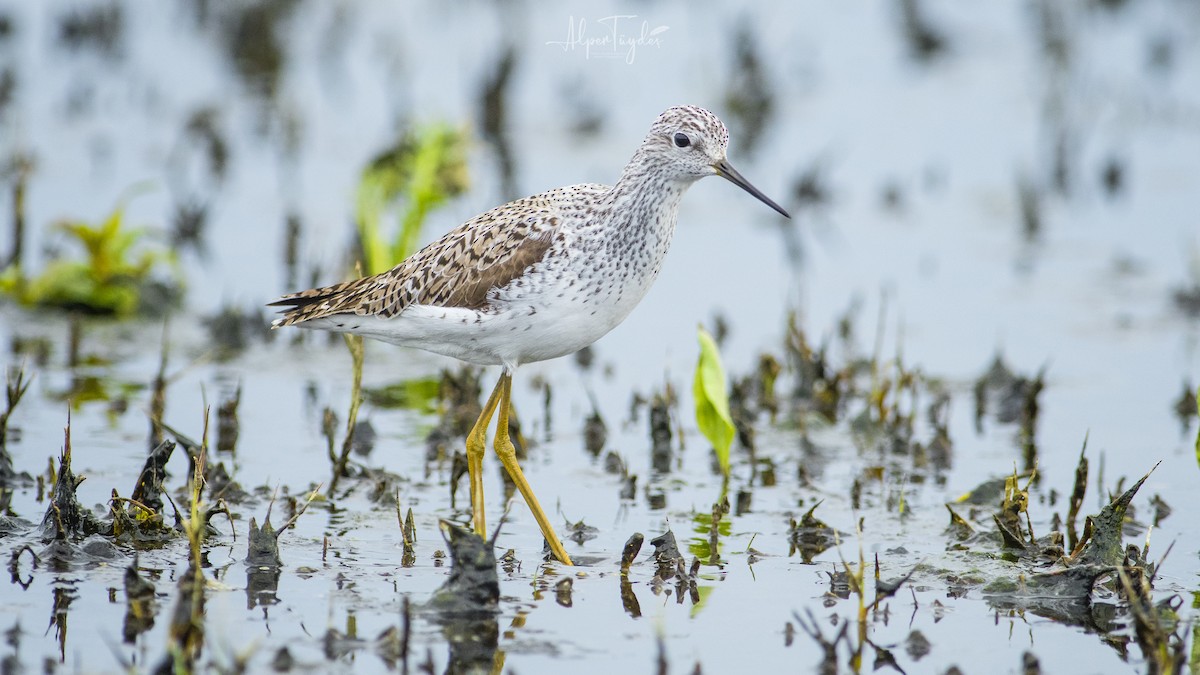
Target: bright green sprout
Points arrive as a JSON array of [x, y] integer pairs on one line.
[[424, 170], [712, 400]]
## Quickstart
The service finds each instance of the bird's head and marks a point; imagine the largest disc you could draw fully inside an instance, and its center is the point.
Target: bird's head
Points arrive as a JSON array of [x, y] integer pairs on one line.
[[687, 143]]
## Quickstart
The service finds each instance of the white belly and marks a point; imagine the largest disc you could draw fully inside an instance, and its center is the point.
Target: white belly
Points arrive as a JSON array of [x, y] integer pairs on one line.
[[519, 333]]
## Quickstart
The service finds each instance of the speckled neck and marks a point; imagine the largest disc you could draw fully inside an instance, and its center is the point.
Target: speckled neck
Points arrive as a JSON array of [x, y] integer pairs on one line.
[[650, 200], [631, 241]]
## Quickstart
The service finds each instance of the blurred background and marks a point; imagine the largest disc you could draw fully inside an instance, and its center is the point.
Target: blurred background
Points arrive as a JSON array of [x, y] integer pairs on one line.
[[966, 180]]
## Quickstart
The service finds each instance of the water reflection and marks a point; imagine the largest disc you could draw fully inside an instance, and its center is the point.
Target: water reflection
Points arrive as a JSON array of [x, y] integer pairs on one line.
[[262, 585], [63, 594], [140, 604], [467, 605]]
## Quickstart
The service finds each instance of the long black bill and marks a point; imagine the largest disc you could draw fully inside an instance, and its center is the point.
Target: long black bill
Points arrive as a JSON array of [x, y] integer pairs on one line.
[[724, 170]]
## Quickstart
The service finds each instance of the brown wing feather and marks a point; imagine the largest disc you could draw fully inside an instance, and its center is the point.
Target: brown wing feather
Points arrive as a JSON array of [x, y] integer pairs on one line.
[[458, 270]]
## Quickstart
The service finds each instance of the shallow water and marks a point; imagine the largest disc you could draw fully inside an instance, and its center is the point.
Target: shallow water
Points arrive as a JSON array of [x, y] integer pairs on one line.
[[945, 279]]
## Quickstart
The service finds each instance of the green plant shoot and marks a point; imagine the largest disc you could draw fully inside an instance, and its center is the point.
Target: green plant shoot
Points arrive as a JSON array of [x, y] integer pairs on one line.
[[712, 400], [424, 170]]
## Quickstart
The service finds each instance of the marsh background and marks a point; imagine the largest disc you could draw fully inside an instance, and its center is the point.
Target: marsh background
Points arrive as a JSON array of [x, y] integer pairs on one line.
[[966, 180]]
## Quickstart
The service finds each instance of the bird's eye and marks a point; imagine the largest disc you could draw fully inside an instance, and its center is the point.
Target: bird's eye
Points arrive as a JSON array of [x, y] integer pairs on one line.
[[682, 140]]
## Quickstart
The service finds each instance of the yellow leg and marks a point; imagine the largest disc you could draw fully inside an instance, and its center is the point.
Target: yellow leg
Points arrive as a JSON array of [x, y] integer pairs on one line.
[[508, 457], [476, 445]]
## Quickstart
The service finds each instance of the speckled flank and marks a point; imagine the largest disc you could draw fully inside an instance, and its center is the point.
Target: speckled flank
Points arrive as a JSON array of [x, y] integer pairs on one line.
[[538, 277]]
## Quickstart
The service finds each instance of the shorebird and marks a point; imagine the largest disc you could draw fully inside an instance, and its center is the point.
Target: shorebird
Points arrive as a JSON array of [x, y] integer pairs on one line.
[[533, 279]]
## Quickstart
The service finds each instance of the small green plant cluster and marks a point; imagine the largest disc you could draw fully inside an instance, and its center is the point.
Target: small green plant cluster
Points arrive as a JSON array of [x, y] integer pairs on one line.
[[114, 277], [424, 170]]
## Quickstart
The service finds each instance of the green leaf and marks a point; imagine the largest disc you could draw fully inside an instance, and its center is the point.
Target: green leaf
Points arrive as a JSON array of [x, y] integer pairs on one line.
[[712, 401], [425, 168]]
